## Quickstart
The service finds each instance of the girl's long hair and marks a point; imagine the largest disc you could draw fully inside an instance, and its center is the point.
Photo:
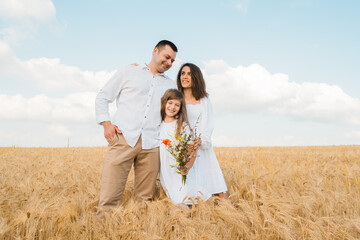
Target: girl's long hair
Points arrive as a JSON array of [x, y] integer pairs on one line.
[[181, 116], [198, 87]]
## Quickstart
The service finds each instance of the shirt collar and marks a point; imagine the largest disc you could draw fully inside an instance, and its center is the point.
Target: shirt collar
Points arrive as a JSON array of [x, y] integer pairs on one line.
[[145, 67]]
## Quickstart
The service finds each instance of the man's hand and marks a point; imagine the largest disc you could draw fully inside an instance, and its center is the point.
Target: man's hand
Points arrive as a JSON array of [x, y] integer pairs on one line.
[[110, 130]]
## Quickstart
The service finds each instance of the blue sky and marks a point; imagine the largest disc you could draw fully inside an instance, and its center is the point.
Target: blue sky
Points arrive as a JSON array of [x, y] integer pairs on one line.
[[278, 72]]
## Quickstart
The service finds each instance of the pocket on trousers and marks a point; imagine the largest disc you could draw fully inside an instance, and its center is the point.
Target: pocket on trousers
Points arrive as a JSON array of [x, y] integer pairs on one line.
[[114, 139]]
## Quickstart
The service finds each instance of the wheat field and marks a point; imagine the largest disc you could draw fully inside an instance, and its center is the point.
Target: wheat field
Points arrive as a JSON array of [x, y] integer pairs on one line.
[[274, 193]]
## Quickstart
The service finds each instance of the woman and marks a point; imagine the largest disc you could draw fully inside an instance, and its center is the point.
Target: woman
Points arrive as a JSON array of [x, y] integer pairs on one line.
[[191, 83]]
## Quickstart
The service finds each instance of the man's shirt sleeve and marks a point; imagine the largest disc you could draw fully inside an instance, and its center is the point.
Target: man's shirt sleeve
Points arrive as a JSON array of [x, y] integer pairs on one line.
[[107, 95]]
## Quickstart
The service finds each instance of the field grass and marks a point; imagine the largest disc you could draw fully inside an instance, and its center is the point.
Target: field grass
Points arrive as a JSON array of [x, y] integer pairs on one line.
[[275, 193]]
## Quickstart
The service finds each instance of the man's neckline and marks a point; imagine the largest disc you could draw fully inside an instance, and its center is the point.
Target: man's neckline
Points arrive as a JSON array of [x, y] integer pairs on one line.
[[145, 66]]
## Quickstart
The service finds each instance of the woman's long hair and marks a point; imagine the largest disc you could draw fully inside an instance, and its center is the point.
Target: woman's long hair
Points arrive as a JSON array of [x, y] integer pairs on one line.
[[198, 86], [181, 116]]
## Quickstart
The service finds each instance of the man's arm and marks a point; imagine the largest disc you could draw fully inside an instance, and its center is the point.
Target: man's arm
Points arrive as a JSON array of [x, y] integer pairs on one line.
[[107, 95]]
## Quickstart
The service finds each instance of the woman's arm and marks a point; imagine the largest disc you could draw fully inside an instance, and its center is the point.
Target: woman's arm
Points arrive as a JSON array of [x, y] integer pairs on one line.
[[207, 123]]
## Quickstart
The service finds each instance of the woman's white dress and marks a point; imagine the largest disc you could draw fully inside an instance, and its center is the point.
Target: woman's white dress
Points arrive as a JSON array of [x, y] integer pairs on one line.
[[171, 180], [201, 119]]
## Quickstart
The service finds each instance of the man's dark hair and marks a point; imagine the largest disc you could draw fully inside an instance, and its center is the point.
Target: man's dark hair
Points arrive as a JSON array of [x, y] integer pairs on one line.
[[163, 43]]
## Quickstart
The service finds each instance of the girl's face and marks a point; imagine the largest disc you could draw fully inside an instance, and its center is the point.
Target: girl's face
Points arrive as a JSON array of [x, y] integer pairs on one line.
[[172, 108], [185, 77]]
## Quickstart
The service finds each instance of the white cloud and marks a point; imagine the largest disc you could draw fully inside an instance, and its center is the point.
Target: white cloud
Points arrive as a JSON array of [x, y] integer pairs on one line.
[[23, 17], [59, 129], [321, 101], [353, 135], [19, 32], [51, 74], [75, 107], [287, 140], [253, 88], [242, 6], [241, 140], [223, 140], [40, 10], [8, 62], [245, 87], [232, 89], [34, 134]]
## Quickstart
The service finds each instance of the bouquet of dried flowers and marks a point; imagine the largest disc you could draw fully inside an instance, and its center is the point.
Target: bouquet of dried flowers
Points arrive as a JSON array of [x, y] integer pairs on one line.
[[179, 149]]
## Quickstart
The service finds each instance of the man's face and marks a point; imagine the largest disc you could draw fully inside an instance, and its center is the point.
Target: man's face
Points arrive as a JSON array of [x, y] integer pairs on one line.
[[163, 58]]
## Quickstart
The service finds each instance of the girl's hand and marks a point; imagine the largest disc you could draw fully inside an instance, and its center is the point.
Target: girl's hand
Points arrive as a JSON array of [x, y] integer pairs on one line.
[[184, 171]]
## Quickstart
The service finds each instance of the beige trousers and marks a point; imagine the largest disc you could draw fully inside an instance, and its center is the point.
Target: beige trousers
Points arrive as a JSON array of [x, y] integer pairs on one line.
[[118, 162]]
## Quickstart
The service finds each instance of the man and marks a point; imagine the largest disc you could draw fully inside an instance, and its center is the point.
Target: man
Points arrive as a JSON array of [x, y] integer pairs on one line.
[[133, 134]]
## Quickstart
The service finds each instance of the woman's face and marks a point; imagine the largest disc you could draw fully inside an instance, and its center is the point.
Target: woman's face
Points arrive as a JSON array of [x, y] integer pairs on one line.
[[185, 77]]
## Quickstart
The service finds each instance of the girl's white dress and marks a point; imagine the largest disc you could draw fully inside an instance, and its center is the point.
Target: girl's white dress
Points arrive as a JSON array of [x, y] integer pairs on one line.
[[171, 180], [201, 119]]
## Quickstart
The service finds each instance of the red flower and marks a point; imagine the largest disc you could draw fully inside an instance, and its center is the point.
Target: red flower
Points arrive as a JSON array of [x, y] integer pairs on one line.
[[166, 142]]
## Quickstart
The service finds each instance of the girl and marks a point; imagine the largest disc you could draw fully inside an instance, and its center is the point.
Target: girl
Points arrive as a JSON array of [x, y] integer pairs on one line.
[[174, 121], [191, 83]]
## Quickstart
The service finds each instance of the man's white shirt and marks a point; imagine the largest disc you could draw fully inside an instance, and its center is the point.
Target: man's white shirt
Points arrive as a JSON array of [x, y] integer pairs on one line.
[[138, 100]]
